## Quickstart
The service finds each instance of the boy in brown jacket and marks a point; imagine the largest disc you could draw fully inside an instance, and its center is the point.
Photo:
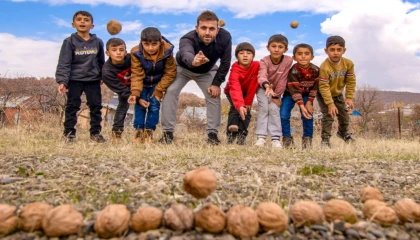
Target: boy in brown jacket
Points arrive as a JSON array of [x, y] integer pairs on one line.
[[153, 68]]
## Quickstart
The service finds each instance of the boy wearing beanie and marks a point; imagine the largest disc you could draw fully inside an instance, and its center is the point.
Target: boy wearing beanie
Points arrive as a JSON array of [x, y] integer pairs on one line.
[[240, 91]]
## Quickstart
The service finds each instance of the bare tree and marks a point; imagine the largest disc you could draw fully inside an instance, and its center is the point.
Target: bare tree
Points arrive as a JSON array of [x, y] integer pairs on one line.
[[368, 102]]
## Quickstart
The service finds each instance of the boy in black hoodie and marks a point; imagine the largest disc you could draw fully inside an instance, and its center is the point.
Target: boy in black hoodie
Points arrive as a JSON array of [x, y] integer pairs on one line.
[[116, 76], [79, 70]]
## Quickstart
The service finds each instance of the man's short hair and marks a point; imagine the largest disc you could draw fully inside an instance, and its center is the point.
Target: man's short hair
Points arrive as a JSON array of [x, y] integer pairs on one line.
[[83, 13], [113, 42], [332, 40], [278, 38], [244, 46], [207, 16], [303, 45], [150, 34]]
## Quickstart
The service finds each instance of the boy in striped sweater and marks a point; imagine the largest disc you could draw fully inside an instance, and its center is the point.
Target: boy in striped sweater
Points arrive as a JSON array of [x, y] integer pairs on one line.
[[336, 73], [302, 86]]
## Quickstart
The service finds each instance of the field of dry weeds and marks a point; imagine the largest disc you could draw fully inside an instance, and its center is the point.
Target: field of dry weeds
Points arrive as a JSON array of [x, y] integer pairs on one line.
[[36, 165]]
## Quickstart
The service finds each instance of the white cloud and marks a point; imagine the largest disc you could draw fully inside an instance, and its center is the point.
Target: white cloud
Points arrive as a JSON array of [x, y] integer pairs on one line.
[[61, 22]]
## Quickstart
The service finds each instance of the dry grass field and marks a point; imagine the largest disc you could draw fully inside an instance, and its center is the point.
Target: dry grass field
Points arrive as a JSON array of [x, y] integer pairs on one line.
[[36, 165]]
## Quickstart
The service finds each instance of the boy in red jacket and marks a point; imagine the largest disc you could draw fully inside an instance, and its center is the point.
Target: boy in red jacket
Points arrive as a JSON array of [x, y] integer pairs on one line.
[[240, 91]]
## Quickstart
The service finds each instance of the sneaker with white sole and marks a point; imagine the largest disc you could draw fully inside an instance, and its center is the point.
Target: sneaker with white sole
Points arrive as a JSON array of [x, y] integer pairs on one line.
[[276, 144], [260, 142]]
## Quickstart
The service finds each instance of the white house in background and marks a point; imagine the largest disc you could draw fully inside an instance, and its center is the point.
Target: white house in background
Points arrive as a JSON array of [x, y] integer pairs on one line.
[[194, 113], [407, 110]]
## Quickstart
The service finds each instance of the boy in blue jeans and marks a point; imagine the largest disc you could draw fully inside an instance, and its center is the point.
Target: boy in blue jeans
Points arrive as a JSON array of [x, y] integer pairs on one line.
[[153, 68], [79, 70], [302, 85]]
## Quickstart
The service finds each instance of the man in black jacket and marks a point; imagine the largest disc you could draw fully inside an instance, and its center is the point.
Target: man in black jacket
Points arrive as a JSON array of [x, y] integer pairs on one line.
[[79, 70], [116, 76], [199, 50]]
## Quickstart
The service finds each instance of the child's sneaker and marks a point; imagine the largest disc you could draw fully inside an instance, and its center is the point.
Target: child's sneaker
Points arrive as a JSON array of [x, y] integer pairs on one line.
[[138, 136], [288, 142], [233, 128], [116, 136], [276, 144], [325, 142], [148, 136], [345, 136], [306, 142], [260, 142], [167, 138], [97, 138], [69, 138]]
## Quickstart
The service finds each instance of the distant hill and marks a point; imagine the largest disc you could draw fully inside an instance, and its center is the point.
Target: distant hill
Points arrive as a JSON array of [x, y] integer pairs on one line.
[[388, 97]]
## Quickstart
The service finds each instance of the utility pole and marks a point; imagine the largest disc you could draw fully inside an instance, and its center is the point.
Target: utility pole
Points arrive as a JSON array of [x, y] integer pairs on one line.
[[399, 121]]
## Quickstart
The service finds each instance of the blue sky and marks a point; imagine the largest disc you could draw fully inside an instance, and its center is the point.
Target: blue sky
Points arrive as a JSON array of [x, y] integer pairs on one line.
[[382, 39]]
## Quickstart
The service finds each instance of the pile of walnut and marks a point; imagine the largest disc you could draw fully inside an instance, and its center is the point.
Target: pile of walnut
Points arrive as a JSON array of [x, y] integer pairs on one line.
[[241, 221]]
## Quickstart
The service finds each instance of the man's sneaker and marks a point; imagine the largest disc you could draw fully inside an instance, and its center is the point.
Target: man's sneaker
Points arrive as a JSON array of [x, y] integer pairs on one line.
[[260, 142], [167, 138], [97, 138], [69, 138], [345, 136], [325, 142], [306, 142], [233, 128], [213, 139], [288, 142], [276, 144]]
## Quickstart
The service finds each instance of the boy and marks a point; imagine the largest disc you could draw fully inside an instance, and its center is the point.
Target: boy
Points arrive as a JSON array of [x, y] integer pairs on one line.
[[336, 72], [302, 86], [79, 70], [153, 68], [272, 78], [240, 91], [116, 76]]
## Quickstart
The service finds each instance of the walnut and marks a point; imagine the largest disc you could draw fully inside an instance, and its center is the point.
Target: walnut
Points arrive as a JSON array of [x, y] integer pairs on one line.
[[379, 212], [336, 209], [272, 217], [221, 23], [200, 182], [8, 221], [306, 212], [62, 221], [32, 214], [147, 218], [211, 219], [112, 221], [179, 217], [369, 193], [242, 221], [407, 210], [114, 27]]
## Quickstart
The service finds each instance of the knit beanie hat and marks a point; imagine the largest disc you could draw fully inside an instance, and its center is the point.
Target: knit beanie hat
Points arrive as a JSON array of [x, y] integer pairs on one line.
[[335, 40], [244, 46]]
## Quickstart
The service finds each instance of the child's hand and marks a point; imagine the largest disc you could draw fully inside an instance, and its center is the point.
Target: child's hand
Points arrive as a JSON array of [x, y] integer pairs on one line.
[[332, 110], [144, 103], [305, 112], [101, 82], [242, 112], [62, 89], [277, 101], [350, 105], [132, 100], [269, 90], [309, 107], [159, 99]]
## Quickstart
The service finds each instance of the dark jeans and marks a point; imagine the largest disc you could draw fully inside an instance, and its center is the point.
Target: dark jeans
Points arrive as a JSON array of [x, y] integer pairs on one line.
[[120, 114], [92, 91], [327, 121], [141, 121], [285, 113], [235, 119]]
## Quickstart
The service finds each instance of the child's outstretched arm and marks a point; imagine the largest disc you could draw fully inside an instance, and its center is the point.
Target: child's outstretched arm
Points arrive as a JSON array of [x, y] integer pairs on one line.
[[62, 73], [325, 91], [137, 76], [350, 86], [168, 77]]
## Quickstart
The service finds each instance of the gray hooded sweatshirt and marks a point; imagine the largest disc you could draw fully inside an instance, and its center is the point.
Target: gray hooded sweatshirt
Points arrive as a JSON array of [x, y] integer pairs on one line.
[[80, 60]]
